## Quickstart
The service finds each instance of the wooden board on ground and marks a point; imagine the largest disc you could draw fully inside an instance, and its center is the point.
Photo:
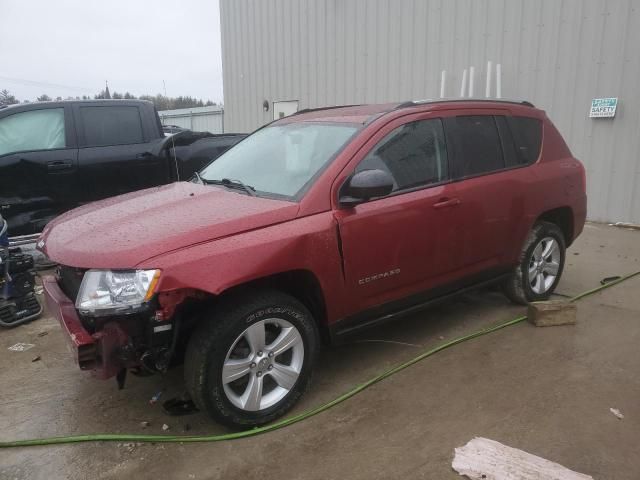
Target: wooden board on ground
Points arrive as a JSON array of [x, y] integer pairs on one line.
[[484, 459]]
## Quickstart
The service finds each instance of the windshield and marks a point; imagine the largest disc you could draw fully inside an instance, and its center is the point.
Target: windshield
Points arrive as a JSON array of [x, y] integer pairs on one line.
[[282, 159]]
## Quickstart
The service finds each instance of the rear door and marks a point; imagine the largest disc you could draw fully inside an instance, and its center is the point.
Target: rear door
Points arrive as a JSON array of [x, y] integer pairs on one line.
[[401, 244], [492, 192], [38, 167], [114, 155]]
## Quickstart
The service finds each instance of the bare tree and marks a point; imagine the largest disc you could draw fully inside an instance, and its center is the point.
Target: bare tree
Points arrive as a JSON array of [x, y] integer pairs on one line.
[[160, 101], [7, 99]]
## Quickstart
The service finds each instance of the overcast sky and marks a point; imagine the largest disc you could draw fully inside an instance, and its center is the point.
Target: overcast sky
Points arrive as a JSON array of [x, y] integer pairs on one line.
[[70, 47]]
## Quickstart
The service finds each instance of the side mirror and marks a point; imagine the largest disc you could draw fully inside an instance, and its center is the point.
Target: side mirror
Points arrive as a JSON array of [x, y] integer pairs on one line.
[[365, 185]]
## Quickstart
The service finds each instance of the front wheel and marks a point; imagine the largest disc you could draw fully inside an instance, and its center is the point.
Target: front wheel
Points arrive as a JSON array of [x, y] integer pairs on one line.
[[252, 361], [541, 264]]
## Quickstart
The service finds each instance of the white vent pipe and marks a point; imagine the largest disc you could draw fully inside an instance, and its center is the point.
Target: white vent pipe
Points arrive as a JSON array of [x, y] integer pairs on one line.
[[463, 87], [487, 91]]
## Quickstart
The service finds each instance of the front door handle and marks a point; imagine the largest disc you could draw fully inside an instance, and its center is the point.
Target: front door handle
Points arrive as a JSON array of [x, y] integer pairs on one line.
[[446, 202], [58, 165]]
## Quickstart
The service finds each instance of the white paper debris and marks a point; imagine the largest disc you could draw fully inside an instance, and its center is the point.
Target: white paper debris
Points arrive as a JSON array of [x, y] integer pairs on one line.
[[21, 347], [484, 459], [617, 413]]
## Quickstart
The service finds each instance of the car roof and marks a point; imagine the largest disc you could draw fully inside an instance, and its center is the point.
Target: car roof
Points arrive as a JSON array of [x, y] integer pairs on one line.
[[363, 114], [60, 103]]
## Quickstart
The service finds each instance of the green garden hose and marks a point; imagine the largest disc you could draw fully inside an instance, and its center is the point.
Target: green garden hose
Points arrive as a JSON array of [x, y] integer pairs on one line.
[[110, 437]]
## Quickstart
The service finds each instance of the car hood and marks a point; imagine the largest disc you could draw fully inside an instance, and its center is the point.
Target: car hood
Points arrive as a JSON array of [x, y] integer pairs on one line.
[[121, 232]]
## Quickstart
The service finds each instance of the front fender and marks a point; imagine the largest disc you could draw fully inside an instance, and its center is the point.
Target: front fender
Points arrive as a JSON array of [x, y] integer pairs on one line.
[[308, 243]]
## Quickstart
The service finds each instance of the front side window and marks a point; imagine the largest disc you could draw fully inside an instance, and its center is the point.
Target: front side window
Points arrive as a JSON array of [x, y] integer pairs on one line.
[[476, 143], [281, 160], [111, 126], [413, 154], [32, 130]]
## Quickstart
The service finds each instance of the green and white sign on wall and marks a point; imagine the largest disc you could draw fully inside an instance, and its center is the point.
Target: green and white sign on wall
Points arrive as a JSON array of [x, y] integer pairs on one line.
[[603, 107]]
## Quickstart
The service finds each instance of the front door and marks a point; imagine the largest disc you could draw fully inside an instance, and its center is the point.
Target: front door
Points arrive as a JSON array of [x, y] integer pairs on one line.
[[38, 167], [401, 244]]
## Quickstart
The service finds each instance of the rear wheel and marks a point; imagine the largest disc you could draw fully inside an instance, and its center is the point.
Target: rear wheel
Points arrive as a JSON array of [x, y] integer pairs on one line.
[[541, 264], [252, 361]]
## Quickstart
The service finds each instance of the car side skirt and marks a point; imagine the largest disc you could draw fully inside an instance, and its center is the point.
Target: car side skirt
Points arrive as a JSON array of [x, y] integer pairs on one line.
[[415, 303]]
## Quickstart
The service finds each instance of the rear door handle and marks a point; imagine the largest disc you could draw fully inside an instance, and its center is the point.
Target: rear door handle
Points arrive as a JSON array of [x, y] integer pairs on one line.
[[446, 202], [144, 155], [58, 165]]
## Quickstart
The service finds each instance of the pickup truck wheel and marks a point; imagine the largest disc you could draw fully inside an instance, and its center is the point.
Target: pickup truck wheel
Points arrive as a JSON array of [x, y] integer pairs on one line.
[[541, 264], [250, 360]]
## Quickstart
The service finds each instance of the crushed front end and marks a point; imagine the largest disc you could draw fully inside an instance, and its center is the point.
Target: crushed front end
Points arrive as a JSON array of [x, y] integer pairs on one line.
[[115, 321]]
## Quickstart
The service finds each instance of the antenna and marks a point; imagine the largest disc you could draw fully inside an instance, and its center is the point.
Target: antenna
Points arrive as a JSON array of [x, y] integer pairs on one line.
[[173, 143], [175, 158]]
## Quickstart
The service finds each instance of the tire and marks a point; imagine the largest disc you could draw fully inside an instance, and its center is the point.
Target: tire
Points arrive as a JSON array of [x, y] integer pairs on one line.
[[228, 343], [520, 287]]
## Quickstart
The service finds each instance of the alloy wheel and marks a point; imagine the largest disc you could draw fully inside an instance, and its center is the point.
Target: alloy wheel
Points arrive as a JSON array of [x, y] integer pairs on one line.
[[544, 265], [263, 364]]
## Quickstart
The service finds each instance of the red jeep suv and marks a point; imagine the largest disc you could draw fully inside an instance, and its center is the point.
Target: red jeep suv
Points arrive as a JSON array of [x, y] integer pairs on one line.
[[310, 228]]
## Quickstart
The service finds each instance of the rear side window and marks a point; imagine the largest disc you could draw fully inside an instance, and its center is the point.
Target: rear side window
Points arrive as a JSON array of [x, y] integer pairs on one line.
[[33, 130], [111, 126], [527, 138], [413, 154], [476, 144]]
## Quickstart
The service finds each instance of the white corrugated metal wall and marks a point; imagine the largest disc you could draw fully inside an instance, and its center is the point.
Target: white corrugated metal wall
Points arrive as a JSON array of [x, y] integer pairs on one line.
[[559, 54], [198, 119]]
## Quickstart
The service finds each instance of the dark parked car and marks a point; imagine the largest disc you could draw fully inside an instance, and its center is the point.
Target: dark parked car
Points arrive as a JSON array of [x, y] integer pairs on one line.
[[314, 226], [55, 156]]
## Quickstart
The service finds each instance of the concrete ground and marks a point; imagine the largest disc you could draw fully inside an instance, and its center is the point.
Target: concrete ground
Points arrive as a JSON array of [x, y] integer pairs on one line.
[[544, 390]]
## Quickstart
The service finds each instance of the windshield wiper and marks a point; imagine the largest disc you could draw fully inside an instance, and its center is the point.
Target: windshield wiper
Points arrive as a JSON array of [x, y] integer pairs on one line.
[[199, 178], [227, 182]]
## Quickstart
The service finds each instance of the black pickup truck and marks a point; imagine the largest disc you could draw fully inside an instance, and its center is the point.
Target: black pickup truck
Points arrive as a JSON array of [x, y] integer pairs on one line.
[[55, 156]]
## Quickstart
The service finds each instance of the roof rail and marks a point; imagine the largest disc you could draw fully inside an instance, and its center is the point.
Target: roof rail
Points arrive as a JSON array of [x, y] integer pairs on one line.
[[412, 103], [416, 103], [307, 110]]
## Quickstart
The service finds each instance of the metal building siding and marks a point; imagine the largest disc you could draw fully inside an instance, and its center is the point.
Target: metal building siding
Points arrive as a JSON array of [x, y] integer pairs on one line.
[[199, 119], [559, 54]]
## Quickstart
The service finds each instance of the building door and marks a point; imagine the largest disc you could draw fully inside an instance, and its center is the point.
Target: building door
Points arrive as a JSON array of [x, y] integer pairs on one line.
[[284, 109]]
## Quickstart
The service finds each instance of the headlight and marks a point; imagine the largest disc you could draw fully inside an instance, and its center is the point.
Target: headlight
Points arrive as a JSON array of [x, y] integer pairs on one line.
[[104, 292]]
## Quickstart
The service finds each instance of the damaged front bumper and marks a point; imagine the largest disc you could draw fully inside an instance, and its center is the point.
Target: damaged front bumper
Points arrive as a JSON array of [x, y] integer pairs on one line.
[[99, 352]]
